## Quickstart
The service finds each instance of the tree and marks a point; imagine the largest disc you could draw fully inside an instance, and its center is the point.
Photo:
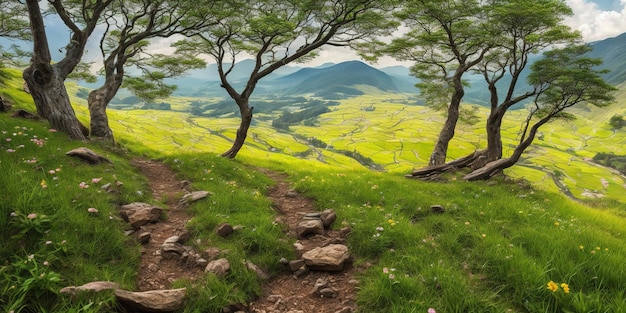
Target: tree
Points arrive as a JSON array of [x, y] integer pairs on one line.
[[277, 32], [563, 78], [526, 27], [617, 122], [46, 79], [13, 26], [447, 38], [129, 26]]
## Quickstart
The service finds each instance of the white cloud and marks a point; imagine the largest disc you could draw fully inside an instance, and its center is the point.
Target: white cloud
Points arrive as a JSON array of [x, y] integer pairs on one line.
[[594, 23]]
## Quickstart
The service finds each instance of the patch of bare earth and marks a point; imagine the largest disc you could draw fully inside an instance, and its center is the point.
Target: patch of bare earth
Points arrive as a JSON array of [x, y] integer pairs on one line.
[[155, 271], [285, 293]]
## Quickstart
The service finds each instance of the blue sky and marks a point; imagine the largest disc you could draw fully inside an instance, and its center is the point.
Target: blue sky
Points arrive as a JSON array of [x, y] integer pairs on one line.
[[595, 19]]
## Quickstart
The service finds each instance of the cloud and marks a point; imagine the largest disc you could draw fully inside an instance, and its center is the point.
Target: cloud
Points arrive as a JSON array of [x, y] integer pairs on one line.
[[595, 23]]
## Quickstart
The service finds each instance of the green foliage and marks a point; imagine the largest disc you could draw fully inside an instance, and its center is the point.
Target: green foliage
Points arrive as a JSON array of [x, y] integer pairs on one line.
[[617, 122], [287, 118], [617, 162]]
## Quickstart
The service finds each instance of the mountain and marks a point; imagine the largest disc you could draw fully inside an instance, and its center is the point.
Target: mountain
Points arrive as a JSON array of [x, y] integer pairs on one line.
[[345, 78], [613, 52]]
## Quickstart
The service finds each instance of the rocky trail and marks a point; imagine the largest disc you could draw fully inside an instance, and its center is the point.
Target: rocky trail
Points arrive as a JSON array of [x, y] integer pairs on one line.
[[302, 288]]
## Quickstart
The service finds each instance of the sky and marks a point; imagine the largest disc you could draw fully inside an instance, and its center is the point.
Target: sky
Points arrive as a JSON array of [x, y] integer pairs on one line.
[[595, 19]]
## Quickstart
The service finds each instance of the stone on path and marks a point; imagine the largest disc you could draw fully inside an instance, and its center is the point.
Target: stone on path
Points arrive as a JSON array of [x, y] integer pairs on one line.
[[224, 230], [328, 217], [139, 213], [307, 227], [329, 258], [152, 301]]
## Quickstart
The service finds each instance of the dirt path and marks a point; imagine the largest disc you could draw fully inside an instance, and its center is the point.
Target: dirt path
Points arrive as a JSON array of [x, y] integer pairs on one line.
[[286, 293]]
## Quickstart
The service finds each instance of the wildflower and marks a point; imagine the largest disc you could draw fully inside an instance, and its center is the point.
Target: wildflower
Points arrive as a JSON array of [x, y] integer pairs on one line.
[[431, 310], [467, 223], [391, 222], [10, 150], [484, 235], [385, 270], [565, 287], [32, 256], [31, 216], [52, 172], [96, 180], [598, 248], [13, 214], [52, 130], [374, 187], [553, 286], [556, 224], [46, 263], [48, 243], [92, 210], [57, 170], [83, 185], [9, 139], [379, 228], [581, 247], [63, 242], [392, 276], [593, 251], [43, 184]]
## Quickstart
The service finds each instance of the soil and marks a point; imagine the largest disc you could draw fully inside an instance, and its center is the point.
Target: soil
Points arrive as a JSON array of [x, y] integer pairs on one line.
[[284, 293]]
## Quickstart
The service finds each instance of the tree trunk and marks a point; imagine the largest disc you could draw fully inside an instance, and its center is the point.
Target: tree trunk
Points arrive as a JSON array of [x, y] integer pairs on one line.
[[46, 81], [440, 151], [47, 88], [242, 132], [493, 151], [98, 100]]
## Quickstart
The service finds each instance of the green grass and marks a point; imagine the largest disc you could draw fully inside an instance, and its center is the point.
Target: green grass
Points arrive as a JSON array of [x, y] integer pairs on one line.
[[494, 249]]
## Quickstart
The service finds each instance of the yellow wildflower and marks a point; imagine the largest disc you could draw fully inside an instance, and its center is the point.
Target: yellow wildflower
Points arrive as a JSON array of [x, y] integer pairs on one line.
[[553, 286], [565, 287]]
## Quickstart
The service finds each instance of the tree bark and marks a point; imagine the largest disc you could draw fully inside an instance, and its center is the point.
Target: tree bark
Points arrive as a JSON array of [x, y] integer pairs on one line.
[[46, 81], [440, 151], [98, 100], [242, 131], [52, 101]]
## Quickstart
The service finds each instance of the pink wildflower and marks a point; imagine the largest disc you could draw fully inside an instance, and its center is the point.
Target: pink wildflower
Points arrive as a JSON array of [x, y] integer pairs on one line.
[[96, 180], [92, 210], [52, 130], [10, 150], [83, 185], [431, 310], [31, 216]]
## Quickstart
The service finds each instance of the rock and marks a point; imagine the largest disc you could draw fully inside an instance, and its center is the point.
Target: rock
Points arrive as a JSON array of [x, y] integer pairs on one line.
[[307, 227], [346, 309], [96, 286], [172, 239], [139, 213], [202, 262], [437, 208], [296, 265], [183, 237], [194, 196], [152, 301], [320, 283], [328, 292], [211, 253], [87, 155], [329, 258], [144, 238], [172, 250], [328, 218], [219, 267], [299, 249], [224, 230], [259, 272]]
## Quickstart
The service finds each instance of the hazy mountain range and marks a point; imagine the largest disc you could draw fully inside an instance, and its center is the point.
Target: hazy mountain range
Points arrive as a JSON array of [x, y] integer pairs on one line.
[[335, 81]]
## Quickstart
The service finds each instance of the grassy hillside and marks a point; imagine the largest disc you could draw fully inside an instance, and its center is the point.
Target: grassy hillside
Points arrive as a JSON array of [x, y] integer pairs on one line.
[[501, 246]]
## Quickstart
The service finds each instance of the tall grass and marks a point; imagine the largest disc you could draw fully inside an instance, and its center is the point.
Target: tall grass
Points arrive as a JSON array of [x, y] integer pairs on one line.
[[494, 249]]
